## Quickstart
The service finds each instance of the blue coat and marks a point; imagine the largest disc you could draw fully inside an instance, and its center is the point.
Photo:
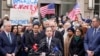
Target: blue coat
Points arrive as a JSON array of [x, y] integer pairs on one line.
[[6, 46], [92, 43]]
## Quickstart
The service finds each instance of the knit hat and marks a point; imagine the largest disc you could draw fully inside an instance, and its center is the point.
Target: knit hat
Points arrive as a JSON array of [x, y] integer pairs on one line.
[[72, 29]]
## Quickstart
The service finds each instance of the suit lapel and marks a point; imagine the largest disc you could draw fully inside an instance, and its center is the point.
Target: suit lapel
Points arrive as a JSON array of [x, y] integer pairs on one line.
[[45, 40], [55, 33], [5, 37], [31, 37], [98, 33], [47, 43], [93, 34], [52, 43]]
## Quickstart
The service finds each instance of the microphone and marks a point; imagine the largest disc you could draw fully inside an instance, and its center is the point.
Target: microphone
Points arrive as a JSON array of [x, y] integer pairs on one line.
[[31, 52], [41, 45], [34, 47], [52, 53], [55, 50]]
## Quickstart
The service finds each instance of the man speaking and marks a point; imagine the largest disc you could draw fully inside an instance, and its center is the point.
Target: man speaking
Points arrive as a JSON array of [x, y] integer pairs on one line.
[[51, 44]]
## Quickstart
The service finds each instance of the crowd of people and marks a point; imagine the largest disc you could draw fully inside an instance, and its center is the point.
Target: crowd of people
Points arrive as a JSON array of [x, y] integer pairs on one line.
[[60, 37]]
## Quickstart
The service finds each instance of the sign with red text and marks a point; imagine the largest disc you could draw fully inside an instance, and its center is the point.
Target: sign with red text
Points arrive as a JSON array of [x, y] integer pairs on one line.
[[27, 4]]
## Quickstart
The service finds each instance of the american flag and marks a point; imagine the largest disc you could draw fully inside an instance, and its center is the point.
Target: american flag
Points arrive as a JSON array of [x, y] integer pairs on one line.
[[74, 12], [48, 9]]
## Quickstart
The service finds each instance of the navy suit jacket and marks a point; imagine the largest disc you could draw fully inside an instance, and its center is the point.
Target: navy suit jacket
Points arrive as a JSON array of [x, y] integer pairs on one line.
[[5, 45], [92, 43]]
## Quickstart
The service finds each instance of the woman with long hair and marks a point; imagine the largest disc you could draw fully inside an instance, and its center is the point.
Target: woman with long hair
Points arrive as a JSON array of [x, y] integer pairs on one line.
[[76, 47]]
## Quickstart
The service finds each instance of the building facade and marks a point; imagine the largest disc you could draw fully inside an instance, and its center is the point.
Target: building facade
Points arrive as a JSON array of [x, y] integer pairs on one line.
[[62, 6]]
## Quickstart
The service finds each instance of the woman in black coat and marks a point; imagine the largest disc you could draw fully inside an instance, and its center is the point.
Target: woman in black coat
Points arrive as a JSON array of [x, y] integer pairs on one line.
[[76, 46]]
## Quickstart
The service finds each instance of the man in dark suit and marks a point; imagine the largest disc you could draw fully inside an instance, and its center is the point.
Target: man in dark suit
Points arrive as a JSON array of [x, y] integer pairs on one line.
[[33, 37], [56, 33], [49, 42], [92, 39], [8, 43], [27, 32]]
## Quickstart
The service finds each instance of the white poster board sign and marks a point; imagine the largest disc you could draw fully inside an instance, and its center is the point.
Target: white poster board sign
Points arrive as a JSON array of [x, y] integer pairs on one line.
[[19, 16]]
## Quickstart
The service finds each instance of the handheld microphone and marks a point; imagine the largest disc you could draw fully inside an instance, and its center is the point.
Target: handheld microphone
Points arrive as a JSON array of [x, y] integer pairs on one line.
[[32, 52], [56, 49], [34, 47], [41, 45]]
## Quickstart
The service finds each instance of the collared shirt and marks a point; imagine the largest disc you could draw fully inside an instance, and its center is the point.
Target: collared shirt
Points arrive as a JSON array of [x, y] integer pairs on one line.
[[96, 29], [49, 40], [7, 33]]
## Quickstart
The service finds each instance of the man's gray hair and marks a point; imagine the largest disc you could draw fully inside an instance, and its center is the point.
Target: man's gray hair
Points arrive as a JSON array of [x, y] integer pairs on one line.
[[6, 23]]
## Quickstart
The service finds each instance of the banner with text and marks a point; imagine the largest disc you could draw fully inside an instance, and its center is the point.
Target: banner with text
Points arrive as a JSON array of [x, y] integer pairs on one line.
[[31, 5], [20, 16]]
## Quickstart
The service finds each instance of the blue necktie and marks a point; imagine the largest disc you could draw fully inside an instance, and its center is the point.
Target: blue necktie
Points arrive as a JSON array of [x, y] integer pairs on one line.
[[94, 32], [9, 37]]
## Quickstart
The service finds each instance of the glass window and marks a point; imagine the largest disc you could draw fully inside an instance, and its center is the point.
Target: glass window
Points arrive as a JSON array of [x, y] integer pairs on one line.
[[96, 10], [96, 1], [97, 7], [67, 6]]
